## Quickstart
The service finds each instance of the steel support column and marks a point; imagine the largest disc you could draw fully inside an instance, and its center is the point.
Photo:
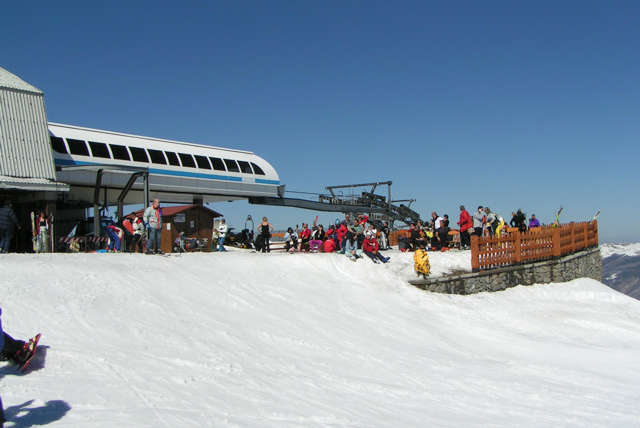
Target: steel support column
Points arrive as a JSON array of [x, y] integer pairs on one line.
[[96, 204]]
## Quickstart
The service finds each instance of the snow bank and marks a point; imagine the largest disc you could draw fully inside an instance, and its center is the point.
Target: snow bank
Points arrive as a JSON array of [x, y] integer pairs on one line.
[[310, 340], [607, 250]]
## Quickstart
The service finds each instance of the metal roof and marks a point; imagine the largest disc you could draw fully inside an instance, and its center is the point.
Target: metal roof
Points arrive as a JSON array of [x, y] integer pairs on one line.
[[11, 81], [25, 149], [122, 134], [32, 184]]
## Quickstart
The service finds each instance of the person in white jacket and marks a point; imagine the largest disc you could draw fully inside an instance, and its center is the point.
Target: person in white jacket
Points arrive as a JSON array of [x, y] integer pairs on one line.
[[222, 234]]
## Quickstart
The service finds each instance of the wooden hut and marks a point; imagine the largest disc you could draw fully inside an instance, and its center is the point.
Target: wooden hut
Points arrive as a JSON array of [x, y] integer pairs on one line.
[[196, 221]]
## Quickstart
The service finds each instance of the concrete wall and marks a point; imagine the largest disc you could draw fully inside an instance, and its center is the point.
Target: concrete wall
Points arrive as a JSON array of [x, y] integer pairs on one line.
[[585, 263]]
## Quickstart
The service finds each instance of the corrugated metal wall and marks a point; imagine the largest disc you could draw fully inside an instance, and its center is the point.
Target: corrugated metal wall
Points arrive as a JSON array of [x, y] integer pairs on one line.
[[25, 150]]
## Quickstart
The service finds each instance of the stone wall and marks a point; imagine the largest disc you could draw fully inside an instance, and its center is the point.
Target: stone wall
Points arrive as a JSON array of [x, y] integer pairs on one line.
[[583, 264]]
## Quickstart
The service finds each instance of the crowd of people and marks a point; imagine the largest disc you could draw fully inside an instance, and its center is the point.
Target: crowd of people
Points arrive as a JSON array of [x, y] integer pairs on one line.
[[355, 237]]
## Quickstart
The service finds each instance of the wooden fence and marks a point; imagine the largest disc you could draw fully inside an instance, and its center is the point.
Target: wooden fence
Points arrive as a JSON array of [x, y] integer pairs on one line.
[[537, 244]]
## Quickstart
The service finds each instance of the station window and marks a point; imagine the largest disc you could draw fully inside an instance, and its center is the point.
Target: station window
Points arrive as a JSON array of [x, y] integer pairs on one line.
[[157, 156], [77, 147], [187, 160], [256, 169], [138, 154], [217, 163], [245, 167], [172, 158], [232, 166], [99, 150], [119, 152], [57, 144], [202, 162]]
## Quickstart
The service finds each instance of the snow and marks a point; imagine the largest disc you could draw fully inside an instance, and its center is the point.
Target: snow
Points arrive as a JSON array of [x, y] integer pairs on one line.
[[607, 250], [309, 340]]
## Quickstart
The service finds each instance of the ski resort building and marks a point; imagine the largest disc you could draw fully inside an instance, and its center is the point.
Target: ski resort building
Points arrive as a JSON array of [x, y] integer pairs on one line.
[[65, 170]]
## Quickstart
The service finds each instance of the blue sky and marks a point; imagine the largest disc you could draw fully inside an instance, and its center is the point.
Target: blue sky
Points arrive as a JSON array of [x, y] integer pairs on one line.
[[509, 105]]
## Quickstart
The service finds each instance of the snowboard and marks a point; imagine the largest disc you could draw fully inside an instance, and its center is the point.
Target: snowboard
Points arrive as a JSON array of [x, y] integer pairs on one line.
[[30, 348]]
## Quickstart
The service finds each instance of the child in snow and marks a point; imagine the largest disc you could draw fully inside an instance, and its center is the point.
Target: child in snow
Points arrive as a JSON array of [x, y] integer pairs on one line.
[[421, 261]]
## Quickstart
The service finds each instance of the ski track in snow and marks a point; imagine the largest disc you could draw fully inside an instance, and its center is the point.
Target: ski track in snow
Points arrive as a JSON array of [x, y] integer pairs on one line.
[[246, 339]]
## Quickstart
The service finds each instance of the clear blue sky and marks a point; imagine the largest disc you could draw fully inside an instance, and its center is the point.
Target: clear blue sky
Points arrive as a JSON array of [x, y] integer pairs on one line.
[[507, 104]]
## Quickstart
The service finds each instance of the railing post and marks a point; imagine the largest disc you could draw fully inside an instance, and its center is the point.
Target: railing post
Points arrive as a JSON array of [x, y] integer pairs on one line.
[[595, 232], [572, 249], [555, 238], [517, 250], [475, 253]]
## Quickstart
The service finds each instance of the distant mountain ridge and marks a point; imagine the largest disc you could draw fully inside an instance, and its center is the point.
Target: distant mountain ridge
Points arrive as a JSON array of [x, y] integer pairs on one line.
[[621, 268]]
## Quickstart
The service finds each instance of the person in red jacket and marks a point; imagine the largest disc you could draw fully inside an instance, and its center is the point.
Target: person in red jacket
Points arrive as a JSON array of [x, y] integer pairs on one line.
[[329, 246], [370, 248], [305, 237], [466, 227], [341, 231]]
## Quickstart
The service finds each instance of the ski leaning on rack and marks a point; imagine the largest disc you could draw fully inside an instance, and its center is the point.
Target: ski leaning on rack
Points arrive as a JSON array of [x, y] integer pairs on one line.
[[34, 238]]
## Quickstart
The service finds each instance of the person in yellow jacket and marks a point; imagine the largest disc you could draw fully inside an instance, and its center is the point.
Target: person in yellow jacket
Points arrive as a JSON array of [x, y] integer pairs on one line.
[[501, 227], [421, 261]]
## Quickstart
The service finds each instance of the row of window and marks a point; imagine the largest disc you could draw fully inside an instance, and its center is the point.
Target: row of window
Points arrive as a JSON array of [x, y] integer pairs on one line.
[[162, 157]]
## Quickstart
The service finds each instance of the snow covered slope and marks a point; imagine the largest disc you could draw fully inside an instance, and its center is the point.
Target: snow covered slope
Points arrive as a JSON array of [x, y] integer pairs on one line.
[[309, 340], [607, 250], [621, 267]]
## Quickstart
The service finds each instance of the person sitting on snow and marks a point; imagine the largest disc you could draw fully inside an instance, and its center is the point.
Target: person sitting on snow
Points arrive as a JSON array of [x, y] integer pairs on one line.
[[317, 238], [290, 240], [305, 237], [370, 247], [421, 261]]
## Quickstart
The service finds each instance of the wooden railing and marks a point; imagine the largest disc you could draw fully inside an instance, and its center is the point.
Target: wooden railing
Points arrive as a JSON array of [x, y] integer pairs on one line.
[[537, 244]]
